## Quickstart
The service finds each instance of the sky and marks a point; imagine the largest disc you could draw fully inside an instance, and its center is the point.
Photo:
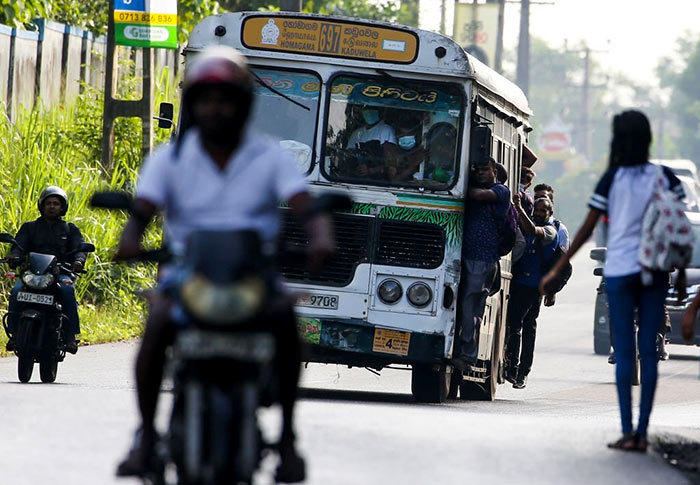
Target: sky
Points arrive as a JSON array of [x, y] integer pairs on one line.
[[631, 35]]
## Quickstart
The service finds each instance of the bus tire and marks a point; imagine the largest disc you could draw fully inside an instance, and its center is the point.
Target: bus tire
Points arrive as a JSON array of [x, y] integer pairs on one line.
[[429, 385]]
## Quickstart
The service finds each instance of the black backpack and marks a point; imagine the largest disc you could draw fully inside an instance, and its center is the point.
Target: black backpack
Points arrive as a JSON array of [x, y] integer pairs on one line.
[[507, 227]]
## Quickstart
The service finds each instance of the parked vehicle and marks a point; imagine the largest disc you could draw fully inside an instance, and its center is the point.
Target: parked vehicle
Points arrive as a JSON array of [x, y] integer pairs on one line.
[[39, 333], [601, 324]]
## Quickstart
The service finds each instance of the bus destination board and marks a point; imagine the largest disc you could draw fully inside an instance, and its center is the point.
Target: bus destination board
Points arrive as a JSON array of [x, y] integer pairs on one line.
[[330, 38]]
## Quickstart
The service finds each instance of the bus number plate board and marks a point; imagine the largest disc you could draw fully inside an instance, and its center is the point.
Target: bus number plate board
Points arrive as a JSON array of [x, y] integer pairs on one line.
[[391, 341], [315, 300]]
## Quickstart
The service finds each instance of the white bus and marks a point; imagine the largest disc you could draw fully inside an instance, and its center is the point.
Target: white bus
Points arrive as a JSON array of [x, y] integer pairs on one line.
[[392, 116]]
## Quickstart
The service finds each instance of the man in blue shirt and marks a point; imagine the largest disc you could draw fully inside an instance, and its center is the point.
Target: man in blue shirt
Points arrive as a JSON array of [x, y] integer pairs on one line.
[[487, 203], [525, 299]]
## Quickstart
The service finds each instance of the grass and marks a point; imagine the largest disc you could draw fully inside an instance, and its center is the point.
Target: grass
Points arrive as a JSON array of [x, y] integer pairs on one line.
[[61, 147]]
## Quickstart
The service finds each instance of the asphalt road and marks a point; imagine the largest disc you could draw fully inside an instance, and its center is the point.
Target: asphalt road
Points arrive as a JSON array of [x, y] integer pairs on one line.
[[359, 428]]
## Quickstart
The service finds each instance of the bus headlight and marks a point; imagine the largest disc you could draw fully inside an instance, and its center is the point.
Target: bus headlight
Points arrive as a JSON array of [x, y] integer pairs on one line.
[[419, 294], [390, 291]]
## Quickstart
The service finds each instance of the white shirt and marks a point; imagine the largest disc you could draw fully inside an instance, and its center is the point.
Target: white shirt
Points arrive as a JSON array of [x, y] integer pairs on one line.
[[624, 193], [379, 131], [196, 195]]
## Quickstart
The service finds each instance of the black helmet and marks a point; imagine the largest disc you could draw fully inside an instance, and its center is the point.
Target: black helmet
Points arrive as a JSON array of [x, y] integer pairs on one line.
[[220, 66], [53, 191]]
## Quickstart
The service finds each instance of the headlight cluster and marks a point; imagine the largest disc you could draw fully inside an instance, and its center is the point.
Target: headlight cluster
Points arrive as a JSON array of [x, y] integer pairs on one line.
[[37, 281], [419, 294]]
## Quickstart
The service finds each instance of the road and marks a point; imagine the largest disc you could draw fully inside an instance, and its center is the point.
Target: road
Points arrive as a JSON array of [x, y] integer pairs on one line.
[[359, 428]]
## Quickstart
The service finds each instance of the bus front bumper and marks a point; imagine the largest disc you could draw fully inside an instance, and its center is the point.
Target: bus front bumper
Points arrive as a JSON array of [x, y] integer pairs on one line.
[[358, 343]]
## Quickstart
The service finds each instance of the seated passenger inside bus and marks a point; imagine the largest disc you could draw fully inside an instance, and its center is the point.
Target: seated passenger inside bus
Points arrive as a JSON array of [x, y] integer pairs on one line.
[[441, 141], [369, 141]]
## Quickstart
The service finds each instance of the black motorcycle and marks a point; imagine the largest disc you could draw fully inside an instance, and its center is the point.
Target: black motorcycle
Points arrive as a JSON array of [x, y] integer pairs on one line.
[[222, 355], [39, 334]]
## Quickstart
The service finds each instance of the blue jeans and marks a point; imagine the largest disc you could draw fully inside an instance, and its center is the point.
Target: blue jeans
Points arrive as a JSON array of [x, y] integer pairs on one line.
[[626, 294], [70, 307]]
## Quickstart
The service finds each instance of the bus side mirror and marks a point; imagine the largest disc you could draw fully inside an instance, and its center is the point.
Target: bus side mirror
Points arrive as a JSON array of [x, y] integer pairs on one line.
[[165, 115], [480, 145]]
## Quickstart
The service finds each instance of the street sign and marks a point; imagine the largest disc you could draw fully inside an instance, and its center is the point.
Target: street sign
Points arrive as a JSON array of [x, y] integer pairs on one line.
[[146, 23]]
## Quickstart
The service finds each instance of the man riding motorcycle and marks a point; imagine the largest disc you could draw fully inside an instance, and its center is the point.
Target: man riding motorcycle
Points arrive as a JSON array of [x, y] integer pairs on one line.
[[218, 175], [50, 234]]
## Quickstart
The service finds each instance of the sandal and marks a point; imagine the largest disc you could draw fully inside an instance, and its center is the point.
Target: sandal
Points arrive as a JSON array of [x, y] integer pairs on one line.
[[628, 442], [640, 443]]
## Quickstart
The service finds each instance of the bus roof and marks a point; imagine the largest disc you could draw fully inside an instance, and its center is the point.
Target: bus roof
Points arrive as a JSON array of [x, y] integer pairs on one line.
[[350, 42]]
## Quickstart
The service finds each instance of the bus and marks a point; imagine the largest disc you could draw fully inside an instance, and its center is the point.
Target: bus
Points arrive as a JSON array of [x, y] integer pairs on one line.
[[393, 117]]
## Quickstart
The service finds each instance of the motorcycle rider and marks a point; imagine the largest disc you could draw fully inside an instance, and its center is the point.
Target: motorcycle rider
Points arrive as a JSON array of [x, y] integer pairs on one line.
[[219, 175], [50, 234]]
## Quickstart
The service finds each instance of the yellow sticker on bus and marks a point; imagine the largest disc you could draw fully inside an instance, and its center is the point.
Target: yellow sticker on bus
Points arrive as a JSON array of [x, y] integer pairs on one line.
[[330, 38]]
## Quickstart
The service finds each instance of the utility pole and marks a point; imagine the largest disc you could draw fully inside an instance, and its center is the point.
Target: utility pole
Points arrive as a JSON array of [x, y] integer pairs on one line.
[[290, 5], [498, 60], [586, 105], [443, 15], [522, 75]]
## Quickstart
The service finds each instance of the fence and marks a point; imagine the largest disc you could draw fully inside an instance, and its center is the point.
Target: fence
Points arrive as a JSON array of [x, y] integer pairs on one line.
[[49, 65]]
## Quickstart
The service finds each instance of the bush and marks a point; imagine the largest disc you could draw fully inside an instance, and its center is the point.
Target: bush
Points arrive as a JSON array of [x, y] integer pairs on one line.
[[61, 147]]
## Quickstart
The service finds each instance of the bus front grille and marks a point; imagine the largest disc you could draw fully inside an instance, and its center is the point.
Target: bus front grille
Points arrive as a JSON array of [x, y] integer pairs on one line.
[[353, 239], [361, 239], [410, 244]]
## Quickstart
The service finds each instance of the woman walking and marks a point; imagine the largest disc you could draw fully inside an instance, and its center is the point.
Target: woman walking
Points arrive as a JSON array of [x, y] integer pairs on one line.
[[623, 194]]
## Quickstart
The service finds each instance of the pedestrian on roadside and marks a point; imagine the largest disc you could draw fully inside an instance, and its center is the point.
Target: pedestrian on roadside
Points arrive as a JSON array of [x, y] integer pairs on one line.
[[623, 194], [525, 299], [487, 204]]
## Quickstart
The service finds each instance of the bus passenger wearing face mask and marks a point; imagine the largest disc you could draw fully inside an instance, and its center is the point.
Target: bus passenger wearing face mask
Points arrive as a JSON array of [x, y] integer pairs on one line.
[[408, 154], [373, 129]]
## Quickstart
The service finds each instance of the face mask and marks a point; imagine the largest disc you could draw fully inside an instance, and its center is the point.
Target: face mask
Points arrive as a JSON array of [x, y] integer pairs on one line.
[[407, 142], [371, 116], [521, 187]]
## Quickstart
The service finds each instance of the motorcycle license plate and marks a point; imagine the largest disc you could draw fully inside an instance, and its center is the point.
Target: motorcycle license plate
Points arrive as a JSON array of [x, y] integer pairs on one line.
[[317, 300], [34, 298], [202, 344]]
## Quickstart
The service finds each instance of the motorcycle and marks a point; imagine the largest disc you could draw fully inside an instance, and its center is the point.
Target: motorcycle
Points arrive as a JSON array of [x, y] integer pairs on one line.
[[222, 354], [39, 334]]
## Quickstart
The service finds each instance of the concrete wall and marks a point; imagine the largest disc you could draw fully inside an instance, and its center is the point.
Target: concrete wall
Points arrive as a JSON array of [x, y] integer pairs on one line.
[[49, 66], [5, 41]]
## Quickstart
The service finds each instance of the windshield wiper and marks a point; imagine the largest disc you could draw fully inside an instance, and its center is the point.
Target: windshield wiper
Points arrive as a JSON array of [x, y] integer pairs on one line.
[[393, 78], [263, 83]]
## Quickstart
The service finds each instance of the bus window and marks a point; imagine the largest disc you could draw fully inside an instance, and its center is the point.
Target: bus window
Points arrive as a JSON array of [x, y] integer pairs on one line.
[[389, 132], [283, 119]]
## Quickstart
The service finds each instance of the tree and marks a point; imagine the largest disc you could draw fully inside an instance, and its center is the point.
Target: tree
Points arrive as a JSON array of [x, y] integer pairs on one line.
[[402, 12]]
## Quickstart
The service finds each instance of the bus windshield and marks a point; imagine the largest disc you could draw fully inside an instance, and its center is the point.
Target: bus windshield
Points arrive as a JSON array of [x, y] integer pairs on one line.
[[281, 110], [389, 131]]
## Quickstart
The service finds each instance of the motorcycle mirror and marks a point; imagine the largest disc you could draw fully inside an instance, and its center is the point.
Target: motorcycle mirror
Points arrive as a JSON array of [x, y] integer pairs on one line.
[[111, 200], [7, 238], [598, 254]]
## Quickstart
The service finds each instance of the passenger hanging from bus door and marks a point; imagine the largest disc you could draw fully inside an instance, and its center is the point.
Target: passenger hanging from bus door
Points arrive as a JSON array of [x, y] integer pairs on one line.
[[487, 202]]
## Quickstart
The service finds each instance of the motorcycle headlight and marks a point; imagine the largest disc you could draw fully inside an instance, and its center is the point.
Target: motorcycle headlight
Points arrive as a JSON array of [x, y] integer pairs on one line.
[[37, 281], [390, 291], [223, 305], [419, 294]]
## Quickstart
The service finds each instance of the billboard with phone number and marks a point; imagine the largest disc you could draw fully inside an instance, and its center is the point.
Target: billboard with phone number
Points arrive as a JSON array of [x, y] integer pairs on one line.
[[146, 23]]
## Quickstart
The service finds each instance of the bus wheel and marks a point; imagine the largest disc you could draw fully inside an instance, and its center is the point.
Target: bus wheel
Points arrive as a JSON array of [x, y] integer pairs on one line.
[[430, 385]]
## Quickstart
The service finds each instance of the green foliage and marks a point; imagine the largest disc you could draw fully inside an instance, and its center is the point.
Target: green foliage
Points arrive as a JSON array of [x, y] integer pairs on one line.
[[19, 13], [402, 12], [62, 147], [682, 77]]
